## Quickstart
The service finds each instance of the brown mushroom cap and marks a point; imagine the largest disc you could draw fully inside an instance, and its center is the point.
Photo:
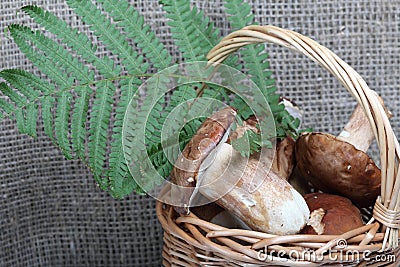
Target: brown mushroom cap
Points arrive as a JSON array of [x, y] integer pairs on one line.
[[284, 158], [187, 166], [331, 214], [334, 166]]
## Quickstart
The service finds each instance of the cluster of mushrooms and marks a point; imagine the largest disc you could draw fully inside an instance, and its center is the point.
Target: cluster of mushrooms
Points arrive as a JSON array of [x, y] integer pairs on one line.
[[316, 184]]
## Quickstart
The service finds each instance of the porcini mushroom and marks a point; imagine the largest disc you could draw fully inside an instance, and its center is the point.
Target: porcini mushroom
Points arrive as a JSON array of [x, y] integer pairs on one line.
[[274, 207], [211, 166], [187, 167], [340, 165], [283, 162], [214, 213], [331, 215]]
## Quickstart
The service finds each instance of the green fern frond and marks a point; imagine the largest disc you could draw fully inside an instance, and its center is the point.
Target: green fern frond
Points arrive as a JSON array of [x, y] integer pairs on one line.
[[26, 118], [32, 81], [133, 25], [7, 108], [74, 39], [109, 35], [62, 80], [28, 79], [31, 118], [101, 114], [136, 138], [59, 56], [117, 44], [61, 123], [180, 96], [192, 31], [20, 119], [254, 57], [247, 144], [66, 63], [70, 60], [43, 63], [47, 106], [118, 170], [216, 92], [30, 86], [17, 99], [78, 122], [19, 84], [82, 45], [25, 114], [256, 63], [240, 13], [157, 153], [154, 103]]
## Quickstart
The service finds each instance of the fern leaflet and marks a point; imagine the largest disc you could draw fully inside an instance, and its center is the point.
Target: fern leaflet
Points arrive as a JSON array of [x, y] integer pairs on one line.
[[72, 66], [132, 22], [28, 79], [12, 95], [257, 65], [193, 32], [75, 40], [114, 40], [5, 106], [61, 123], [47, 116], [31, 116], [118, 170], [98, 131], [39, 85], [19, 84], [109, 35]]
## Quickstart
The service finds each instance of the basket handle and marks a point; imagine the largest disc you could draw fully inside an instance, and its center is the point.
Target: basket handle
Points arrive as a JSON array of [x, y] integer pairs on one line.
[[389, 201]]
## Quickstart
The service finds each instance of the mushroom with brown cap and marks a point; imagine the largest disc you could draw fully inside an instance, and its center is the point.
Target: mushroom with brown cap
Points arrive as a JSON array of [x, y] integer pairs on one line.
[[186, 169], [331, 215], [274, 207], [340, 165], [222, 175]]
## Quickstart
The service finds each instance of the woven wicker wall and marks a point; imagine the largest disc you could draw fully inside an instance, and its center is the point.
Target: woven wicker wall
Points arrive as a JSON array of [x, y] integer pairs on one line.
[[52, 214]]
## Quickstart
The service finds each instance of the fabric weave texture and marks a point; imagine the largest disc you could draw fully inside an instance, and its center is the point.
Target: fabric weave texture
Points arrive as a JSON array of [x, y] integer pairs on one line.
[[52, 213]]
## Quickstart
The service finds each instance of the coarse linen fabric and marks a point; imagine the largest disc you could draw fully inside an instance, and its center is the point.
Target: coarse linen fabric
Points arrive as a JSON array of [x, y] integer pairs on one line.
[[51, 211]]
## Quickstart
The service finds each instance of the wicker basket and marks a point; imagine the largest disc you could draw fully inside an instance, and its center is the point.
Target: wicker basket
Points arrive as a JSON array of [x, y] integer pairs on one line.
[[190, 241]]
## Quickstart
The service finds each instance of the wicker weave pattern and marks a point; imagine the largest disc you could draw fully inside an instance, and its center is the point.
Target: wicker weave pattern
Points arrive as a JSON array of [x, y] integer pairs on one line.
[[221, 245]]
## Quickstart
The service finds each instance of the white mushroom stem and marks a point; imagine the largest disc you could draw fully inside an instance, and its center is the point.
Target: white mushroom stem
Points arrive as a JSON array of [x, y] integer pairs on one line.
[[275, 207], [358, 131]]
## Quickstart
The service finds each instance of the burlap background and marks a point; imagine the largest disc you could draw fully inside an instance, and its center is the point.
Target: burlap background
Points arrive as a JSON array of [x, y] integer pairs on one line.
[[52, 214]]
